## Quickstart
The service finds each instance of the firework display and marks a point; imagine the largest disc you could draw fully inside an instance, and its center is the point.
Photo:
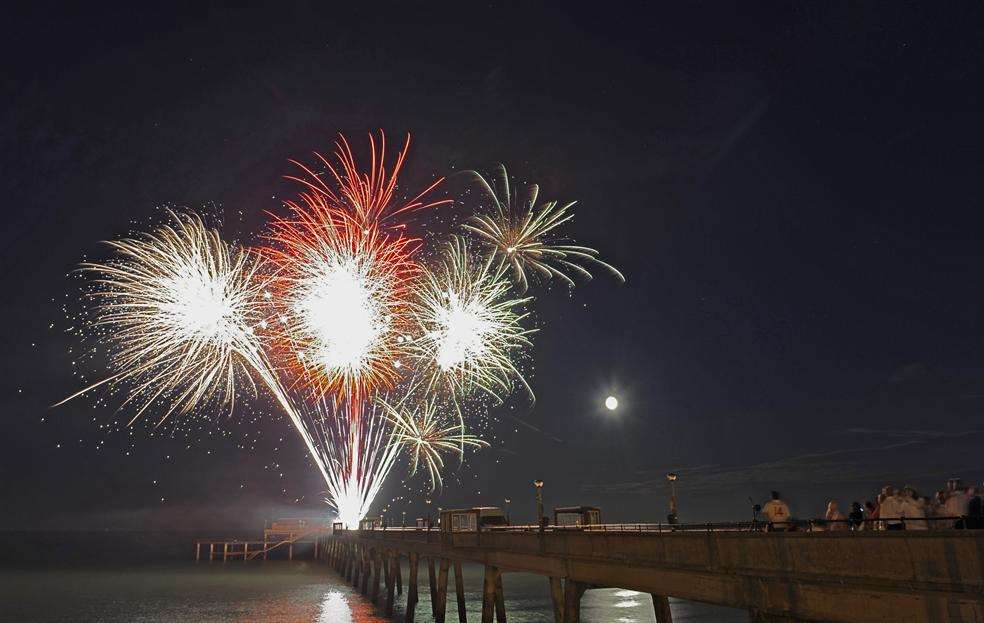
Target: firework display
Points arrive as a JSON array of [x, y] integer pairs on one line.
[[523, 234], [374, 346]]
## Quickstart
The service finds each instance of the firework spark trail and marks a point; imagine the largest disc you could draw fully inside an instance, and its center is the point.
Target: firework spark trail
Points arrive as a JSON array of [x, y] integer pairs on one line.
[[343, 286], [468, 326], [179, 307], [520, 233], [336, 305], [427, 434], [340, 290], [181, 310], [359, 453]]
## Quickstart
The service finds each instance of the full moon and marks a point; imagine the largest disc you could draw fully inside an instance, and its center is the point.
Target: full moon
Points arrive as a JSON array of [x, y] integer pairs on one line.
[[611, 403]]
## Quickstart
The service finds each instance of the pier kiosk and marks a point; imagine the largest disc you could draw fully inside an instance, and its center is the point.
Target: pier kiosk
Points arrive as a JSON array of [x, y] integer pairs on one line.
[[574, 516], [472, 519]]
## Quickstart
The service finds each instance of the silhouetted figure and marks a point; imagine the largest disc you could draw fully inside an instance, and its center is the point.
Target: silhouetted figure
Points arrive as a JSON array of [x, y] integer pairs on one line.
[[856, 516]]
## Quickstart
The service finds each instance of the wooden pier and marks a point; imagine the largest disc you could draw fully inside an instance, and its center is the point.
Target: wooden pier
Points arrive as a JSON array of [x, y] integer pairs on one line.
[[278, 535], [840, 576]]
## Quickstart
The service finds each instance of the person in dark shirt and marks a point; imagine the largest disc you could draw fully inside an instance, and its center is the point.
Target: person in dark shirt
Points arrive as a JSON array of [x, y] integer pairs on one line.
[[975, 509], [856, 517]]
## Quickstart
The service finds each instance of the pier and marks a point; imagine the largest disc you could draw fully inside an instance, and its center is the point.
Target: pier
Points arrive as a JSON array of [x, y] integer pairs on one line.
[[840, 576], [281, 534]]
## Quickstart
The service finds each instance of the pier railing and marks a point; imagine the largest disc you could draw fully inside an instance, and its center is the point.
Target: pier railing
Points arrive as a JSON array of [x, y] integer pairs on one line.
[[790, 525]]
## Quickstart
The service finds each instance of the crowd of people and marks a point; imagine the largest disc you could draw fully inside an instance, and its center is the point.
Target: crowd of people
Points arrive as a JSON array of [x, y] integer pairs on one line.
[[957, 506]]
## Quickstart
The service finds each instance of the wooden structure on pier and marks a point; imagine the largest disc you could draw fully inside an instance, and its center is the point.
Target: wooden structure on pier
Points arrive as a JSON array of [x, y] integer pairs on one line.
[[839, 576], [282, 533]]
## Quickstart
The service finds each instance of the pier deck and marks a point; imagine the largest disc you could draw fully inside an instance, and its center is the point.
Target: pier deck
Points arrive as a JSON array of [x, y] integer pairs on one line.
[[851, 577]]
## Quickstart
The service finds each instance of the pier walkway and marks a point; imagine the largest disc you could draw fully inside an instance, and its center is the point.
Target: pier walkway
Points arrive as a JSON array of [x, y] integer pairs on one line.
[[842, 576]]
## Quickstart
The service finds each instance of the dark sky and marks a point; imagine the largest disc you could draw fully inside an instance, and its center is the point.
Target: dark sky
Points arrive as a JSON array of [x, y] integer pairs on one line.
[[792, 190]]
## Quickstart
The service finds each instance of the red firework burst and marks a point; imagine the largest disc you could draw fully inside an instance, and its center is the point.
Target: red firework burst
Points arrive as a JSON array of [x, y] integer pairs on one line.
[[343, 282]]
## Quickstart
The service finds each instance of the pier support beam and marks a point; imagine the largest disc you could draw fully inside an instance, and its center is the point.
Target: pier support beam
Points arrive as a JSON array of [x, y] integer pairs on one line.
[[661, 605], [573, 591], [399, 573], [557, 597], [500, 600], [442, 592], [459, 591], [411, 588], [432, 578], [377, 558], [393, 567], [366, 571], [489, 593]]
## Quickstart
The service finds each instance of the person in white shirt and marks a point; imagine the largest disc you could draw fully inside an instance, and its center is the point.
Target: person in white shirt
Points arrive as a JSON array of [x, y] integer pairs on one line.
[[836, 519], [890, 510], [957, 505], [913, 510], [777, 512]]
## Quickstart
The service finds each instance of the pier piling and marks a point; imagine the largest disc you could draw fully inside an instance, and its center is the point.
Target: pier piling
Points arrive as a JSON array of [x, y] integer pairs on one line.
[[411, 587], [459, 591]]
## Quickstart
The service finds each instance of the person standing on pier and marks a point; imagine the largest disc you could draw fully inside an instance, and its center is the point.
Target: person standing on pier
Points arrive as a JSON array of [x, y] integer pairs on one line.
[[856, 516], [777, 512], [890, 510], [957, 505], [835, 518]]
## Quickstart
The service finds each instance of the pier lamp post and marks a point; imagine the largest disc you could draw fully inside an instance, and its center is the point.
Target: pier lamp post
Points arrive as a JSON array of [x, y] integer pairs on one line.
[[539, 502], [428, 503], [404, 525], [439, 509], [508, 502], [672, 517]]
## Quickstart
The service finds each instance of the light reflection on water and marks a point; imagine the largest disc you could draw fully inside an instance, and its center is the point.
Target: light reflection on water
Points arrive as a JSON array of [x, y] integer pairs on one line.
[[334, 609], [286, 593]]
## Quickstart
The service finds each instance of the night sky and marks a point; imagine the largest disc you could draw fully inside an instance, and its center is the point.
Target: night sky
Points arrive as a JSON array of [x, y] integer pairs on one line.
[[792, 190]]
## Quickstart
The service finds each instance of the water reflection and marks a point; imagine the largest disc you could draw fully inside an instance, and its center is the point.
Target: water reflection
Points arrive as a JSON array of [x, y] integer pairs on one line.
[[334, 609]]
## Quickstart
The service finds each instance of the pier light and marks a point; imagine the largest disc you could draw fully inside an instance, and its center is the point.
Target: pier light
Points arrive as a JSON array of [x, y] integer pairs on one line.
[[672, 518]]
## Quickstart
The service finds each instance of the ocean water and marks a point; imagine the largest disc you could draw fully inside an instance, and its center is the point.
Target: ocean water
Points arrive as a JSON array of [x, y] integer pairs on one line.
[[155, 589]]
